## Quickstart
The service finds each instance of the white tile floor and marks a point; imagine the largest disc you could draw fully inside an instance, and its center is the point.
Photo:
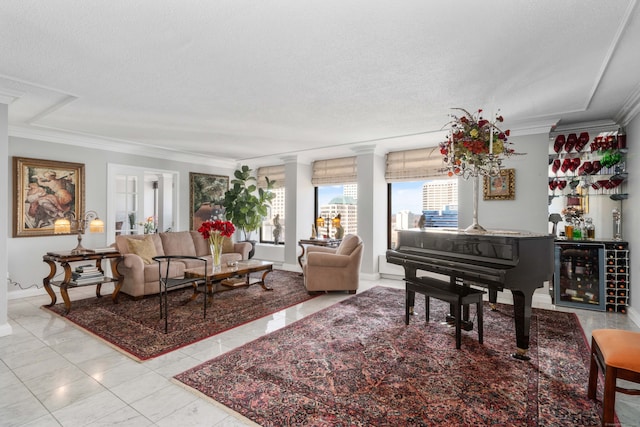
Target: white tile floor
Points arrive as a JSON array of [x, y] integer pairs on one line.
[[53, 374]]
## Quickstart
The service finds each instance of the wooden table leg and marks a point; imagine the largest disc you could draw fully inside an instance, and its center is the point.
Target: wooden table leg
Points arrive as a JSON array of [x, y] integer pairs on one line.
[[47, 282], [262, 283]]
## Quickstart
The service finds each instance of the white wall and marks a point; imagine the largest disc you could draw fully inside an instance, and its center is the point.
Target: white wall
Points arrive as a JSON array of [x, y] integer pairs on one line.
[[631, 215], [5, 328], [529, 210]]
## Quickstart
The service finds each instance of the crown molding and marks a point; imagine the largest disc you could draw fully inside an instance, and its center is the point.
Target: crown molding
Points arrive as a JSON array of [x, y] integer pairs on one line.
[[119, 146]]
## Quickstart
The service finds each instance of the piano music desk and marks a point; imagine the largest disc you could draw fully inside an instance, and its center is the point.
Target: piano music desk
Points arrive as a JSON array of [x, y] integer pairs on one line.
[[456, 295]]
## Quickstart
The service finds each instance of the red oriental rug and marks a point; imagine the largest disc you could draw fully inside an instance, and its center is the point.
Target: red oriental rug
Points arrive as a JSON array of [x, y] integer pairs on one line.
[[135, 327], [357, 364]]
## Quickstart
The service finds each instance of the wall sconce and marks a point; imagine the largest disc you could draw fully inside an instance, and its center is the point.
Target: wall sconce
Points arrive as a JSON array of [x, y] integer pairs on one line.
[[64, 225]]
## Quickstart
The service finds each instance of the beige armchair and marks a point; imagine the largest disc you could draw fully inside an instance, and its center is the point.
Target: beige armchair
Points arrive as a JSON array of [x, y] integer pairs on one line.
[[334, 269]]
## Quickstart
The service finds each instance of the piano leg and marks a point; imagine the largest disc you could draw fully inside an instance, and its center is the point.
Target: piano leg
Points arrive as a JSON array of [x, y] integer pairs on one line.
[[522, 316], [493, 299]]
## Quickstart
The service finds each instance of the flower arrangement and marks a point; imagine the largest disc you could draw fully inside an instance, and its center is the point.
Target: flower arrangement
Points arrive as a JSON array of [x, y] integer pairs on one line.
[[215, 232], [149, 225], [475, 145]]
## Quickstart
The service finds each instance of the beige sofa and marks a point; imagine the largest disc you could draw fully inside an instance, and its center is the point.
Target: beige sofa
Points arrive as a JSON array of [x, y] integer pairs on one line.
[[334, 269], [141, 272]]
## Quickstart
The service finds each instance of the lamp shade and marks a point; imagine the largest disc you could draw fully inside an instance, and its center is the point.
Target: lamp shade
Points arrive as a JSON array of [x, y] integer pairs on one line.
[[62, 226], [320, 222], [96, 226]]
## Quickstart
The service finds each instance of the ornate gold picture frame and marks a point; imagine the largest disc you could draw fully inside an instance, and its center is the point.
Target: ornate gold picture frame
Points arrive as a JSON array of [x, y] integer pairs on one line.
[[45, 190], [206, 193], [500, 187]]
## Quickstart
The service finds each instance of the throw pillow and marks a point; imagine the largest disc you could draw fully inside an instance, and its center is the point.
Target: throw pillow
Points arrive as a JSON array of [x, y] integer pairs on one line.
[[144, 248], [227, 246]]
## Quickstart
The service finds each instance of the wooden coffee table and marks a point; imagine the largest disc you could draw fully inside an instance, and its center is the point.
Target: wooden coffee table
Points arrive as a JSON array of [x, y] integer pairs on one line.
[[242, 268]]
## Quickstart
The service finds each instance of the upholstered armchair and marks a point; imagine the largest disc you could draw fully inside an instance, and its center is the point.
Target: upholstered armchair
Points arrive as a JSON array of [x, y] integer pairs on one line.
[[334, 269]]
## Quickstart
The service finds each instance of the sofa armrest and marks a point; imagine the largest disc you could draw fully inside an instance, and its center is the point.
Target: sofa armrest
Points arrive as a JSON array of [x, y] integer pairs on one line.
[[322, 249], [242, 248], [322, 259]]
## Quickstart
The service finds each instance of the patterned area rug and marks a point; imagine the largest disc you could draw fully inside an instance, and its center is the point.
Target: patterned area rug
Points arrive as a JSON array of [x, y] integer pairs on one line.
[[135, 327], [357, 364]]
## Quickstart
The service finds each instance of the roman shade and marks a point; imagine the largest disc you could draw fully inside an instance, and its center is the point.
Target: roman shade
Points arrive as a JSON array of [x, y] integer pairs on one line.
[[335, 171], [414, 165], [274, 173]]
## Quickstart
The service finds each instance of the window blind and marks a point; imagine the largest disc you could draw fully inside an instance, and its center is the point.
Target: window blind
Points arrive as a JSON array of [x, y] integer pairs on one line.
[[273, 173], [335, 171], [414, 165]]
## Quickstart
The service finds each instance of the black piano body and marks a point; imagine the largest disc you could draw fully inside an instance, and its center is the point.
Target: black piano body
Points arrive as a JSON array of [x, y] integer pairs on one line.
[[497, 260]]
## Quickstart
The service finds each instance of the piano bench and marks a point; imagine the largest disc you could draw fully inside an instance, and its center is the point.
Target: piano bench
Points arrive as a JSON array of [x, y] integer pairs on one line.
[[456, 295]]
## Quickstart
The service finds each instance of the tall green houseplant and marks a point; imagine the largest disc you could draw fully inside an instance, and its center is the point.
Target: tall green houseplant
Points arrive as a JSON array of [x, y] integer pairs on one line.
[[245, 204]]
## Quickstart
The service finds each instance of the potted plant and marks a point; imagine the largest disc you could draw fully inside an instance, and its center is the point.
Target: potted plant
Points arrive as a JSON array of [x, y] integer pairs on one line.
[[245, 204]]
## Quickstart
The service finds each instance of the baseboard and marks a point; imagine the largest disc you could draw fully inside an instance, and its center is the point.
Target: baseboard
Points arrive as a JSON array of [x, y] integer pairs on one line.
[[24, 293], [5, 330]]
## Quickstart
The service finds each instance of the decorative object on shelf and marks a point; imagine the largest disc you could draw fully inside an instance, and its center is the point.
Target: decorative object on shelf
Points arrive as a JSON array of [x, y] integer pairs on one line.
[[617, 224], [314, 233], [132, 222], [243, 207], [44, 191], [475, 147], [215, 232], [69, 221]]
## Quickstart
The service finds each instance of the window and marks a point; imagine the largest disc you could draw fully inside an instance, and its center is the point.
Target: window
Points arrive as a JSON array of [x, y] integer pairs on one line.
[[418, 190], [437, 200], [273, 229], [334, 200], [336, 193]]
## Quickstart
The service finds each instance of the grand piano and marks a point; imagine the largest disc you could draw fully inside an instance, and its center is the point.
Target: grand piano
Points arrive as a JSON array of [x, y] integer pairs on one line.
[[497, 260]]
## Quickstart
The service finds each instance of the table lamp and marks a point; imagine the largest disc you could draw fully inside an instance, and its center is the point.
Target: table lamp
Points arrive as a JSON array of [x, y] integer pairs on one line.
[[63, 226]]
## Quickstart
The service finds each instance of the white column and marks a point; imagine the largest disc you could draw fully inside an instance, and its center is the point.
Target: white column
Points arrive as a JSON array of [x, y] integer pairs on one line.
[[298, 208], [372, 208], [5, 328]]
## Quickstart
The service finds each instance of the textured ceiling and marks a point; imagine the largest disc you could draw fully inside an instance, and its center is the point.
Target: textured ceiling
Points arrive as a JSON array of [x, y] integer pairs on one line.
[[253, 81]]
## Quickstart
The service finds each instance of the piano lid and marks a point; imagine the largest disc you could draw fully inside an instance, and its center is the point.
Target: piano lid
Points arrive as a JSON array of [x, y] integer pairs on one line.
[[494, 247]]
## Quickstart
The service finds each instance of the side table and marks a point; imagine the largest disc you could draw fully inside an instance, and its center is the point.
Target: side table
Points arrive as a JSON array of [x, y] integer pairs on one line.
[[64, 258], [331, 243]]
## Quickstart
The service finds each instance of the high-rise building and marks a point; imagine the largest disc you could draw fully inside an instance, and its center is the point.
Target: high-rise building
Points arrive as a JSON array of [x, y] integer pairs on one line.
[[436, 195]]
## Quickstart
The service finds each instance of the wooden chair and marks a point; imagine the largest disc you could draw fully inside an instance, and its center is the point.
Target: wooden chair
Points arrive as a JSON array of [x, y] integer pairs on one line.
[[168, 281], [617, 354]]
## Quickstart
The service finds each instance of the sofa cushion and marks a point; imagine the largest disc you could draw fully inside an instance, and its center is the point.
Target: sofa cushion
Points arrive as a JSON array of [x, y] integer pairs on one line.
[[227, 246], [144, 248], [178, 243]]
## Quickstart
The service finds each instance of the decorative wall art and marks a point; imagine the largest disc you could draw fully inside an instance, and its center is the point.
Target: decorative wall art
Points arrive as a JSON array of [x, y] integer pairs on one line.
[[45, 190], [206, 193], [500, 187]]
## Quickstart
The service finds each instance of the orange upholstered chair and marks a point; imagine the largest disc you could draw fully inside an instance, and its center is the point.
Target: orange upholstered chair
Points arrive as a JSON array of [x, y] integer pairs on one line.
[[617, 354]]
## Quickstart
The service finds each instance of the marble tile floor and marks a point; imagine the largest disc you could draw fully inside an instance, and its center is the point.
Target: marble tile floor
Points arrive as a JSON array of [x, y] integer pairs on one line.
[[53, 374]]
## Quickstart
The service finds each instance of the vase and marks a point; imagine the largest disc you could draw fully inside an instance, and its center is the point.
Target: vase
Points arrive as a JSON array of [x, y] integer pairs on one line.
[[216, 255], [475, 227]]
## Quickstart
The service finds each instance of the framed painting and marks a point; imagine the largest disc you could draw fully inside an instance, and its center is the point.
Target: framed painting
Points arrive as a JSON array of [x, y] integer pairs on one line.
[[206, 193], [500, 187], [45, 190]]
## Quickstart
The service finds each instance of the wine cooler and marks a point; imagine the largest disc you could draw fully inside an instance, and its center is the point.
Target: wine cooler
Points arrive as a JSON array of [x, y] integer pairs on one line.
[[592, 275]]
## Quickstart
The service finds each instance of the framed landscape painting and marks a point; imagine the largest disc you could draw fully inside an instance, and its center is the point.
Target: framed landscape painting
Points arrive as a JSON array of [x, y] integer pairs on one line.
[[45, 190], [500, 187], [206, 193]]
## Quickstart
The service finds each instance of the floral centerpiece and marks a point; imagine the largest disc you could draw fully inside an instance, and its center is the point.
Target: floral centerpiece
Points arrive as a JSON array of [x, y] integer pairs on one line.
[[215, 232], [475, 145]]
